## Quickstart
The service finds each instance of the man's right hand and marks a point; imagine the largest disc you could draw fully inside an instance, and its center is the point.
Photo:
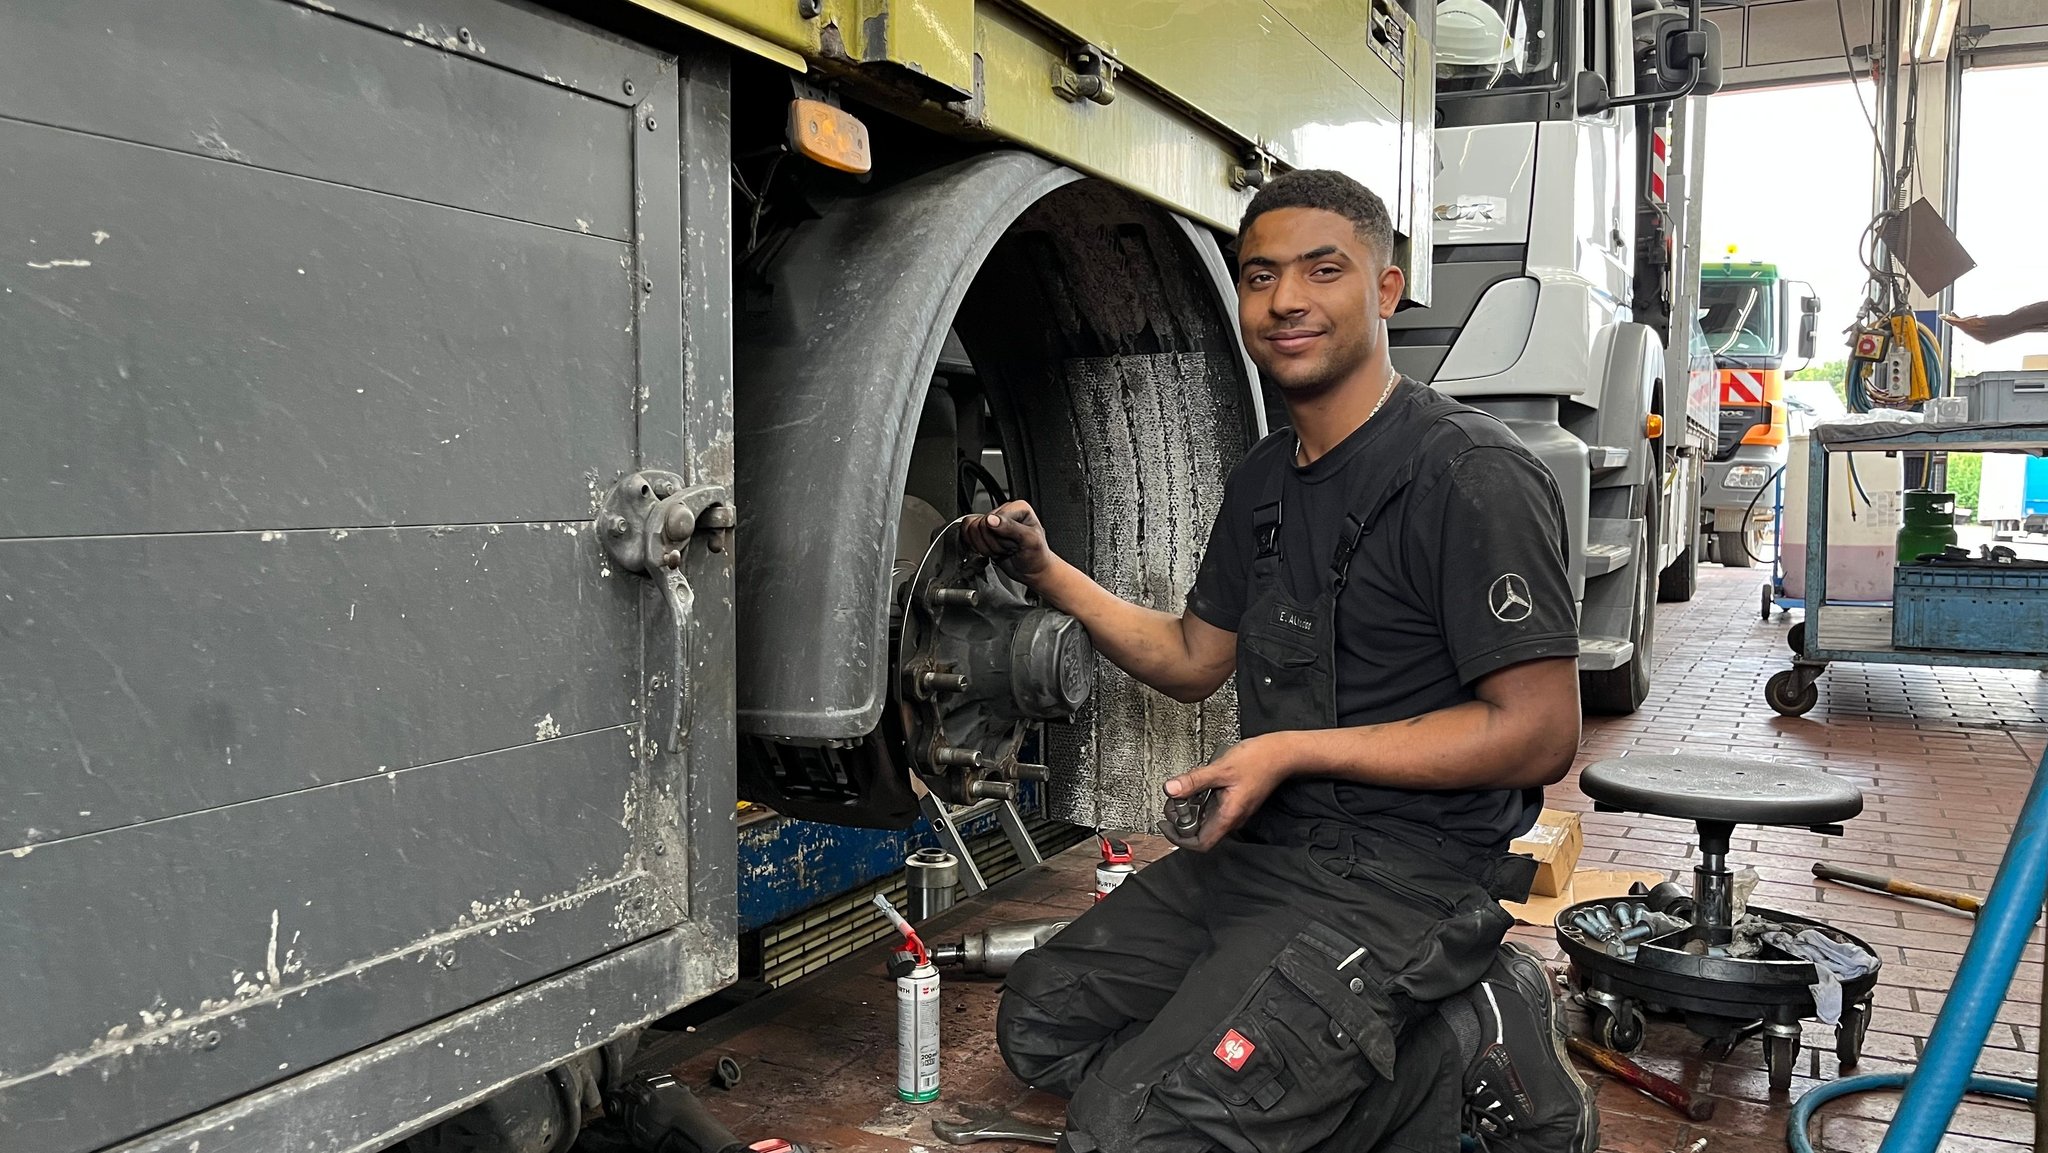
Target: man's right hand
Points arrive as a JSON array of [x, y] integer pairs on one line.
[[1983, 329], [1014, 538]]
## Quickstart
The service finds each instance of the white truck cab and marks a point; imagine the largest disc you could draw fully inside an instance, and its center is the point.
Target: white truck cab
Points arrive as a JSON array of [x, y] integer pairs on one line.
[[1565, 237]]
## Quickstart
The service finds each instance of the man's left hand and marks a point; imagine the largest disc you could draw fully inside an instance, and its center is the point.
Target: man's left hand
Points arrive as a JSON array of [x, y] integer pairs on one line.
[[1242, 777]]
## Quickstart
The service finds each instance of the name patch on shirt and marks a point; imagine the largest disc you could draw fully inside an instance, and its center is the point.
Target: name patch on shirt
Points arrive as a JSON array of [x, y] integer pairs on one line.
[[1294, 619]]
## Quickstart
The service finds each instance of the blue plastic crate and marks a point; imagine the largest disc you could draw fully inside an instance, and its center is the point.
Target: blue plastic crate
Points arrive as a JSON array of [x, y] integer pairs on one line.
[[1978, 610]]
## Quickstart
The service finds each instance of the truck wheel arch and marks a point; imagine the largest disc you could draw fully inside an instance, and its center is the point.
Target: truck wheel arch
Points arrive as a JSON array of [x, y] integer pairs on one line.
[[831, 379]]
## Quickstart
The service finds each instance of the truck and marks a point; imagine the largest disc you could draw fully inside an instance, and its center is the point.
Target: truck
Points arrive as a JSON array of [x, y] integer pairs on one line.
[[510, 435], [2012, 494], [1750, 313], [1566, 248]]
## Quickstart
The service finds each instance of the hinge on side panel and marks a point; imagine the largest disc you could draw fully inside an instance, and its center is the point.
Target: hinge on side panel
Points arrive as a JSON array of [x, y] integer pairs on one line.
[[1252, 170], [1088, 73]]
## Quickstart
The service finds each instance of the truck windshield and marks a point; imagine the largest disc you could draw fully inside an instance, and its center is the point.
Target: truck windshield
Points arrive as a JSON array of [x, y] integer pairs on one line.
[[1742, 317], [1494, 45]]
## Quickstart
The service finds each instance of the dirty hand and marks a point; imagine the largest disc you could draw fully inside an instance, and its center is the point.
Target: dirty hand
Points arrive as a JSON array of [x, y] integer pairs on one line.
[[1013, 536], [1243, 776]]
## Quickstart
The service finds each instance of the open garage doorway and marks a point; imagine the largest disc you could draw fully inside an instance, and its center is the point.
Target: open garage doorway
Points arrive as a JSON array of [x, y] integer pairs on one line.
[[2002, 174]]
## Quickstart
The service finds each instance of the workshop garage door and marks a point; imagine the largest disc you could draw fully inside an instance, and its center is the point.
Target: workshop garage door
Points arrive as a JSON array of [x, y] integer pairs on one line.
[[321, 709]]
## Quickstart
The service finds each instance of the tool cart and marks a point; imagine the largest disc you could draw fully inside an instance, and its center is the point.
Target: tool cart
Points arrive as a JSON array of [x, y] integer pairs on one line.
[[1954, 611]]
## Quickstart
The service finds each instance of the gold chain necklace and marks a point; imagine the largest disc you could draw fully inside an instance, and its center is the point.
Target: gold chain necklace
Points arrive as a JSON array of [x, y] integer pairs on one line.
[[1393, 380]]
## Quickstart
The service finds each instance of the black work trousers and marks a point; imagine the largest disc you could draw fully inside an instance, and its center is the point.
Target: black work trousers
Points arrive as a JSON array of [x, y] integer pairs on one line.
[[1260, 999]]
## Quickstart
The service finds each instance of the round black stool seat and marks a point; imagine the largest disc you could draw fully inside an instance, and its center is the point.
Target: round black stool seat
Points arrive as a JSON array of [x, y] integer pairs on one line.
[[1739, 790]]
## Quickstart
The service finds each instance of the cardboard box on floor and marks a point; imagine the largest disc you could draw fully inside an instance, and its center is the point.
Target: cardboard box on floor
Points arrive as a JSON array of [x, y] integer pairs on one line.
[[1584, 885], [1555, 843]]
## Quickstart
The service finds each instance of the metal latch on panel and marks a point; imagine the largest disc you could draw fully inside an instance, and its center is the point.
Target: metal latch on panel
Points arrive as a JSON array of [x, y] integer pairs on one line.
[[1086, 74], [649, 521], [1252, 170], [1388, 36]]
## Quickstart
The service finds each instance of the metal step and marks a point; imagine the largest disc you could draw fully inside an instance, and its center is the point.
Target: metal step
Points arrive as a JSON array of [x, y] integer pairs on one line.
[[1599, 654], [1606, 457], [1610, 545]]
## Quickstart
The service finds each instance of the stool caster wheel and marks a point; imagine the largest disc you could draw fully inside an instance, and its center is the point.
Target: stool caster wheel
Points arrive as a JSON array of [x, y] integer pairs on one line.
[[1780, 1055], [1849, 1035], [1788, 701], [1621, 1031], [1767, 603]]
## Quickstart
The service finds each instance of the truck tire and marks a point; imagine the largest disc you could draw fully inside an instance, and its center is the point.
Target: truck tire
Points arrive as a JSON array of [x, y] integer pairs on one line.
[[1682, 577], [1738, 549]]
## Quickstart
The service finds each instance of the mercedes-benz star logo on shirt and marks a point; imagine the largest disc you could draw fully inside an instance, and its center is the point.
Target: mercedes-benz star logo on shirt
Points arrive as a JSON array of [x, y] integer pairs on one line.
[[1509, 598]]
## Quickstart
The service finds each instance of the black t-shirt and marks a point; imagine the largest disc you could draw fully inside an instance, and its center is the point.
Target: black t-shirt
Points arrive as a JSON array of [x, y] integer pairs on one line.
[[1463, 574]]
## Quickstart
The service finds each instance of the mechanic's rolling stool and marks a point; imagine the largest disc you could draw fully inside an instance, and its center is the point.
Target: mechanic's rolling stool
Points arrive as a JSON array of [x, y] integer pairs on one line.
[[1624, 964]]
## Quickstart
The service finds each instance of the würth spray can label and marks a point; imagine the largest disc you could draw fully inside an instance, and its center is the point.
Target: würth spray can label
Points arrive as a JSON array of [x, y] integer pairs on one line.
[[917, 1034], [1116, 865]]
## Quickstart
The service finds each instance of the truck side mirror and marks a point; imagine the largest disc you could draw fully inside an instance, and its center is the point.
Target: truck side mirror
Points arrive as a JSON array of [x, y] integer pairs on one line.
[[1668, 46], [1809, 327], [1589, 94], [1684, 44]]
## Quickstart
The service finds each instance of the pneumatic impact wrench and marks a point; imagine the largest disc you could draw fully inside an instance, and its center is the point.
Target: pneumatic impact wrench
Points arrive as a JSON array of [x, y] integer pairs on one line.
[[659, 1114]]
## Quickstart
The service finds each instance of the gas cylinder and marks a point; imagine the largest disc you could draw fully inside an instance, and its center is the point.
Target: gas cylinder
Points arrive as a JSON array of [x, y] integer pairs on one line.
[[1929, 523]]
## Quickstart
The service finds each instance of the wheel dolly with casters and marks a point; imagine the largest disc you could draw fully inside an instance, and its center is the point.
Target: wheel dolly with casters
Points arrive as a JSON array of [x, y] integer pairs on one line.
[[1689, 971]]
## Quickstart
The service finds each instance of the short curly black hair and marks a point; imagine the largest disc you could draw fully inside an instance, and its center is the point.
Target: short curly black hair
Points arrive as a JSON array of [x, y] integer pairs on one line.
[[1330, 191]]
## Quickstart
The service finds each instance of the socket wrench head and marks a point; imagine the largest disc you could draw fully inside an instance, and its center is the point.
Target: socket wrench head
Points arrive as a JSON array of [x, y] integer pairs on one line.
[[1184, 814]]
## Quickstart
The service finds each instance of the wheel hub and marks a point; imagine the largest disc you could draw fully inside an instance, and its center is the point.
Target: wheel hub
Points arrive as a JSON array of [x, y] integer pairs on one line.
[[978, 664]]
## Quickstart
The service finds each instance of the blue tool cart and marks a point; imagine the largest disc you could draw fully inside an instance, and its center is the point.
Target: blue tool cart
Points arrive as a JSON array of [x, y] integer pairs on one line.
[[1935, 598]]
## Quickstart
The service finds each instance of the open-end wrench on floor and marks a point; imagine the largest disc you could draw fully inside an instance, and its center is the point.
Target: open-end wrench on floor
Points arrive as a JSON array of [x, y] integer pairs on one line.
[[993, 1125]]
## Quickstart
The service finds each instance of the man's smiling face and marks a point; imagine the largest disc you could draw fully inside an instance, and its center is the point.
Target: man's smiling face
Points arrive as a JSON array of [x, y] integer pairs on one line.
[[1310, 295]]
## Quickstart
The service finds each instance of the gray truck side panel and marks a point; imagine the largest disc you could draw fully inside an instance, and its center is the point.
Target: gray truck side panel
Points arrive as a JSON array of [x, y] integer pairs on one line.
[[367, 1100], [323, 716]]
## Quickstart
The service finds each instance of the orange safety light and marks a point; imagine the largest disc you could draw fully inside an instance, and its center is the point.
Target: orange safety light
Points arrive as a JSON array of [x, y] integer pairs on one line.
[[1653, 427], [831, 136]]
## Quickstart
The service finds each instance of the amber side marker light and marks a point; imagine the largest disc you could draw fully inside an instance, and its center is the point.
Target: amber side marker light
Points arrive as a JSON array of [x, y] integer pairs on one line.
[[831, 136], [1653, 427]]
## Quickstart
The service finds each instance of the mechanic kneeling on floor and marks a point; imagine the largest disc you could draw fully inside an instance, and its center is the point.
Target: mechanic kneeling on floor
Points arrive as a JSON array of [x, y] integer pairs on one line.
[[1324, 966]]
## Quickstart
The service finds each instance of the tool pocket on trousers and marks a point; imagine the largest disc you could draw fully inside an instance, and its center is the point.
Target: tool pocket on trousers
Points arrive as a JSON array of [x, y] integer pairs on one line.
[[1309, 1038]]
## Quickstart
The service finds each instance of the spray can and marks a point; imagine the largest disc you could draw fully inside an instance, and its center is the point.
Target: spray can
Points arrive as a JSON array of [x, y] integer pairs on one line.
[[917, 1016], [917, 1033], [1116, 865]]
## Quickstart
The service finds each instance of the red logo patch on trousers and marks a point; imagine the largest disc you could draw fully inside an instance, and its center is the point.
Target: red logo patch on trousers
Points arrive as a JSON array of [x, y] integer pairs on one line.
[[1234, 1050]]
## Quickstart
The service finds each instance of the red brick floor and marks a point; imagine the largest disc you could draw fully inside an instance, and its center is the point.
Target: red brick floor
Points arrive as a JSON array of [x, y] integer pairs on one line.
[[1944, 758]]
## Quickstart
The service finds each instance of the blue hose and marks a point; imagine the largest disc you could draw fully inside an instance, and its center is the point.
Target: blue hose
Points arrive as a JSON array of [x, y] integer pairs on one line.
[[1945, 1070], [1804, 1108]]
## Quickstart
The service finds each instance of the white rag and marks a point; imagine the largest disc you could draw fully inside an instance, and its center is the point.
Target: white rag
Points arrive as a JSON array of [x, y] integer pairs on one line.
[[1833, 961]]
